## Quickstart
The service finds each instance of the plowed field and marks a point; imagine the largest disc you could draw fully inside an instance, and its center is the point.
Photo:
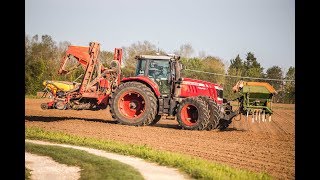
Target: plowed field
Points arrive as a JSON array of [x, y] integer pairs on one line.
[[264, 146]]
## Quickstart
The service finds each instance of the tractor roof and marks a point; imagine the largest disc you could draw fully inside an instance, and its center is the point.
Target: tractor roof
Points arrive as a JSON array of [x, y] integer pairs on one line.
[[169, 57]]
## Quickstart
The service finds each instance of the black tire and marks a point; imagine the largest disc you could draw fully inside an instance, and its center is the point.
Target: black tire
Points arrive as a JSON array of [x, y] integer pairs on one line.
[[149, 106], [156, 120], [214, 112], [44, 106], [223, 124], [193, 114]]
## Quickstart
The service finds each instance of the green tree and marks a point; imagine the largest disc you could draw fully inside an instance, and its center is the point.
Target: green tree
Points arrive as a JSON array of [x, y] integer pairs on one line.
[[214, 65], [192, 64], [274, 72], [237, 64], [209, 64], [42, 60], [290, 85], [252, 67], [39, 60], [236, 68]]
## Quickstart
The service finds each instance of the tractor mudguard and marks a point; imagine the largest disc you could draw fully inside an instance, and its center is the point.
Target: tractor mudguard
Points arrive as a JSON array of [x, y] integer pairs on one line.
[[154, 86]]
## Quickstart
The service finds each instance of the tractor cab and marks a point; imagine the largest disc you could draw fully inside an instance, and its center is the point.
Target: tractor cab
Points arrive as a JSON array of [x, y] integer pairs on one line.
[[158, 68]]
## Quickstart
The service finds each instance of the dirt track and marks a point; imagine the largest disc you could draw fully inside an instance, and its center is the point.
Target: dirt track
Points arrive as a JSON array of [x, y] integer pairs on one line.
[[267, 146]]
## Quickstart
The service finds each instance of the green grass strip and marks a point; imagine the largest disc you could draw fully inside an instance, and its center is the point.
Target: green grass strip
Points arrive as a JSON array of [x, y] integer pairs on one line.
[[193, 166], [27, 173], [92, 166]]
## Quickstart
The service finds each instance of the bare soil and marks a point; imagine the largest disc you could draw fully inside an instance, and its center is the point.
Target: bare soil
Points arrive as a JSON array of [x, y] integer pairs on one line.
[[260, 147]]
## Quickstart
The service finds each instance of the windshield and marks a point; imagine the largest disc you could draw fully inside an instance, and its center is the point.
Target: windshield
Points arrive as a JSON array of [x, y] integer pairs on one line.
[[158, 69]]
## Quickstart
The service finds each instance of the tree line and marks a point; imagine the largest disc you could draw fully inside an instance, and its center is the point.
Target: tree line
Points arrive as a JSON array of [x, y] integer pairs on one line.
[[43, 56]]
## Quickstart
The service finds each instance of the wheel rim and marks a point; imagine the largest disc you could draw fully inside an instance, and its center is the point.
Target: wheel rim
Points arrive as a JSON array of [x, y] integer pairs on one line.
[[189, 114], [44, 106], [61, 105], [131, 104]]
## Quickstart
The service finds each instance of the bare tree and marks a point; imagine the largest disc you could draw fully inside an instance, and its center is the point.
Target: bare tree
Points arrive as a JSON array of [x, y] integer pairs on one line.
[[202, 54], [186, 50], [135, 49]]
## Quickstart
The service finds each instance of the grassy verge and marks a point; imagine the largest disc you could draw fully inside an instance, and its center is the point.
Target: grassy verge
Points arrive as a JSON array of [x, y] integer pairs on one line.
[[27, 173], [92, 166], [195, 167]]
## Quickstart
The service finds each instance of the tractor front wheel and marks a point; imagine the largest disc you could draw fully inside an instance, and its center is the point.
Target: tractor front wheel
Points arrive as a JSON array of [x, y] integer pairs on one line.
[[133, 103], [193, 114]]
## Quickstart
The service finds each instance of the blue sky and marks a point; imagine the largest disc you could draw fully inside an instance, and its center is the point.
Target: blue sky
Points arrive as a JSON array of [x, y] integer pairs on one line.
[[221, 28]]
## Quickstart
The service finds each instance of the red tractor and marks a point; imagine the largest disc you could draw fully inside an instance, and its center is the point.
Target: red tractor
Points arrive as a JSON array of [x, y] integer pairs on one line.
[[157, 89]]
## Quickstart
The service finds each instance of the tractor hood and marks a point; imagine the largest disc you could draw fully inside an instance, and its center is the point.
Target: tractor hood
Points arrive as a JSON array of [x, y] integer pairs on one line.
[[200, 83], [195, 87]]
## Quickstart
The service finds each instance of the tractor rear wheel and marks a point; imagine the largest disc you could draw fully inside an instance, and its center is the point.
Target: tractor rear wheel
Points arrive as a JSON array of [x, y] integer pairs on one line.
[[133, 103], [214, 112], [193, 114]]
